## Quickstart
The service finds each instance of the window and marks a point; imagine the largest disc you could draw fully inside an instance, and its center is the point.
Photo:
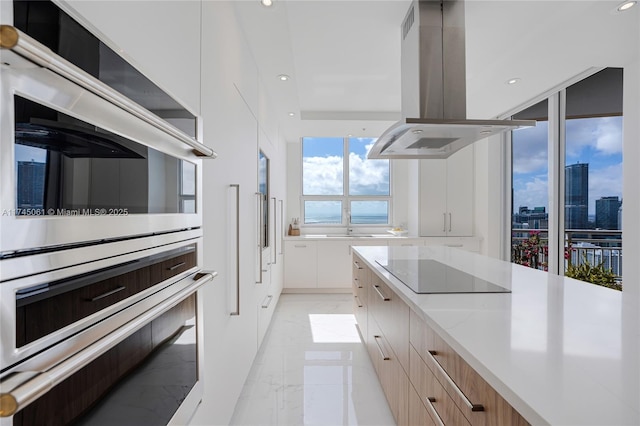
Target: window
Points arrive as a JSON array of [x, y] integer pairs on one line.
[[340, 186], [589, 189]]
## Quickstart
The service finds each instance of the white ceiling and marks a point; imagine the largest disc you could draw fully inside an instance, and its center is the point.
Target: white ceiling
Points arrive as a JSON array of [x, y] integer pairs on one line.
[[343, 56]]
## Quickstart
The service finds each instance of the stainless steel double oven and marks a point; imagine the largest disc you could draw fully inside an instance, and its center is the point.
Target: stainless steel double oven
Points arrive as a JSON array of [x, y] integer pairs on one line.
[[100, 249]]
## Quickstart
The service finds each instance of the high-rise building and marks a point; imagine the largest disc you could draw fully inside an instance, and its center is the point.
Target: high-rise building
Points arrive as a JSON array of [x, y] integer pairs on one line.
[[536, 218], [30, 185], [576, 196], [607, 213]]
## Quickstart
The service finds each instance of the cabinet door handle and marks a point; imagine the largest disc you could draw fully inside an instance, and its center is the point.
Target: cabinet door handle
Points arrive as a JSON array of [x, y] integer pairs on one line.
[[449, 222], [174, 267], [469, 404], [281, 225], [237, 188], [268, 299], [300, 246], [382, 296], [356, 264], [260, 226], [434, 413], [444, 222], [358, 301], [275, 234], [357, 283], [384, 357], [109, 293]]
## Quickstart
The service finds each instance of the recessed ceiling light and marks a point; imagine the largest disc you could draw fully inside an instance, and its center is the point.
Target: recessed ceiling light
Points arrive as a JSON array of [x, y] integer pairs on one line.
[[349, 135], [513, 80], [485, 132], [283, 77], [292, 114], [416, 131], [626, 5], [266, 3]]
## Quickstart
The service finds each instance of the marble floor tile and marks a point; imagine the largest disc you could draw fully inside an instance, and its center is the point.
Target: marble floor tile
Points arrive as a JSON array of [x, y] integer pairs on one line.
[[312, 369]]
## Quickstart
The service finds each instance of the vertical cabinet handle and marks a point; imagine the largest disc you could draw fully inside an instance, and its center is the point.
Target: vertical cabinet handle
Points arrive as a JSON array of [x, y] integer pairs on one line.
[[237, 187], [444, 222], [449, 221], [281, 224], [260, 225], [268, 299], [275, 234], [434, 413]]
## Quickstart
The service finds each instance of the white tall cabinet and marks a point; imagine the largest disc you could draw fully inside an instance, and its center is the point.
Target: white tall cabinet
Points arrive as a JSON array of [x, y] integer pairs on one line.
[[446, 195], [212, 72]]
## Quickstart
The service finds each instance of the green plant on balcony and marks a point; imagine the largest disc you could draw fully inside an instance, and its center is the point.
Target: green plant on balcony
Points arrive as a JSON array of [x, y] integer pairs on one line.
[[595, 274]]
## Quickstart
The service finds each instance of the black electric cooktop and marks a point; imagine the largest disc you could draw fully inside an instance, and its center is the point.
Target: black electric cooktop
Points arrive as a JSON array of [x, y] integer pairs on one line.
[[430, 276]]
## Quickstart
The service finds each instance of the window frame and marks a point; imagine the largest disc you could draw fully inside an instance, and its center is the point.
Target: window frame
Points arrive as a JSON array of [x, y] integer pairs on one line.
[[557, 104], [345, 198]]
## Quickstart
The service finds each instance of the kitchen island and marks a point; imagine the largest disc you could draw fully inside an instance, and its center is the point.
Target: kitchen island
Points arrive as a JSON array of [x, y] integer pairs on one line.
[[559, 351]]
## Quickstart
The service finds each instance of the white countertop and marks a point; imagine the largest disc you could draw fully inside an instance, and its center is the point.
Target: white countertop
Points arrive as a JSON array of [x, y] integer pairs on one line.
[[560, 351]]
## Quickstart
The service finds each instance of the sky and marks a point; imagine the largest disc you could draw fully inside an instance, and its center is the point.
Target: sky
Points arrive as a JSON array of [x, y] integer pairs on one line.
[[323, 170], [597, 141]]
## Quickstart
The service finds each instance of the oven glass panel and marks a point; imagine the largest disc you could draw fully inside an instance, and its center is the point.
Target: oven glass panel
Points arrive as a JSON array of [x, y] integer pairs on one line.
[[154, 391], [65, 166]]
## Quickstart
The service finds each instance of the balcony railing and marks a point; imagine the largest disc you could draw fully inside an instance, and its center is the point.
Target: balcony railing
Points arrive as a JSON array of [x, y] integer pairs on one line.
[[530, 247]]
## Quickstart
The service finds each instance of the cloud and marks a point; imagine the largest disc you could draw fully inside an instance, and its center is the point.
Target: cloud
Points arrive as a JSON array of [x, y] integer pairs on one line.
[[609, 135], [604, 182], [602, 134], [530, 149], [368, 177], [530, 193], [322, 175]]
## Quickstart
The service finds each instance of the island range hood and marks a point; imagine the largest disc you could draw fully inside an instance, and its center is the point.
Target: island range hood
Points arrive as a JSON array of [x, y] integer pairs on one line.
[[434, 108]]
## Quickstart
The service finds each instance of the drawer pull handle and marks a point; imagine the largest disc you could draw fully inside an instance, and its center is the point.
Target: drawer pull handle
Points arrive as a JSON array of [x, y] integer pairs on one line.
[[434, 413], [357, 283], [300, 245], [384, 357], [357, 265], [174, 267], [358, 301], [109, 293], [382, 296], [266, 305], [469, 404]]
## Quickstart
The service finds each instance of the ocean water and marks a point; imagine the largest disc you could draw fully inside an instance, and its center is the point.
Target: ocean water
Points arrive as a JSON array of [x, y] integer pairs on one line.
[[355, 219]]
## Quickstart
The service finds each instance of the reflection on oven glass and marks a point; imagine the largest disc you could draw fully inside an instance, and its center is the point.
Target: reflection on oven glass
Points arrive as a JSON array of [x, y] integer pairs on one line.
[[152, 393], [65, 166]]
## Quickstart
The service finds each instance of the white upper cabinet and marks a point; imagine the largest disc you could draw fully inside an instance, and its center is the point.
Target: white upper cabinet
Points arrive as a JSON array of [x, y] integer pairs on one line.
[[446, 195]]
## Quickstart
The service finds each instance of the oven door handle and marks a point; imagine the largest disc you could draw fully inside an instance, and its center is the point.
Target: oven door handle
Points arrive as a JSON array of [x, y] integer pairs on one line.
[[26, 46], [17, 394]]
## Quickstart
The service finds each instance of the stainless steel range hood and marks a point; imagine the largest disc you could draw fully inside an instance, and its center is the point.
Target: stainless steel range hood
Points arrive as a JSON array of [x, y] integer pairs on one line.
[[434, 107]]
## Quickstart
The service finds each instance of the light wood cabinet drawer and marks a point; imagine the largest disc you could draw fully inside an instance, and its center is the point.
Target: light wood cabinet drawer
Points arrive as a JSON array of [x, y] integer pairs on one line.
[[392, 315], [432, 394], [475, 398], [418, 414]]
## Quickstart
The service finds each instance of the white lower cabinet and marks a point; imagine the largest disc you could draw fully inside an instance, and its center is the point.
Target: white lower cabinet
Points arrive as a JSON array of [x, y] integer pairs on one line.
[[301, 264]]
